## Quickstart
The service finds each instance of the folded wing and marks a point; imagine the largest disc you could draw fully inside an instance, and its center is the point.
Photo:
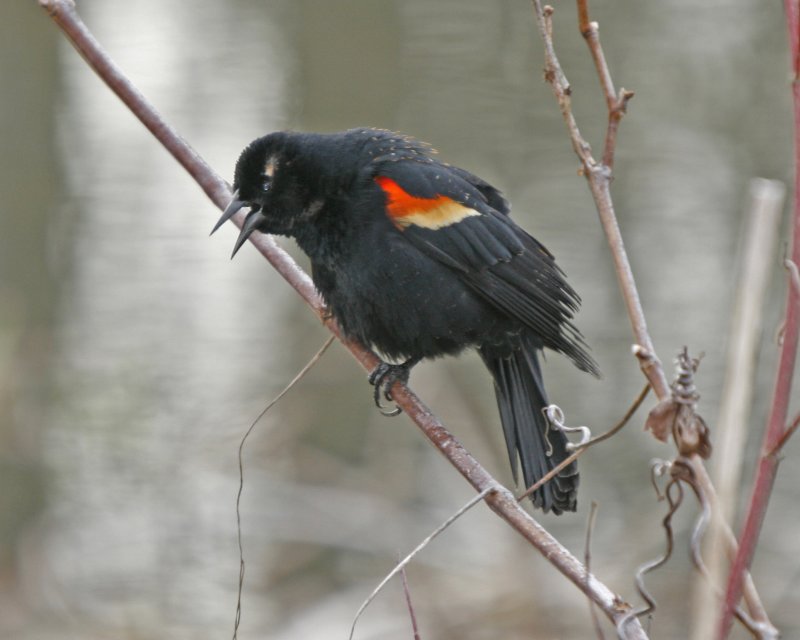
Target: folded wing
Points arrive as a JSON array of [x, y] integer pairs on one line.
[[458, 219]]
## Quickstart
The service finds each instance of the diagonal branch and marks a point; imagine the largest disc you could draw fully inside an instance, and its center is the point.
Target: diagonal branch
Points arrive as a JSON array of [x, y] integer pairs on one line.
[[499, 499]]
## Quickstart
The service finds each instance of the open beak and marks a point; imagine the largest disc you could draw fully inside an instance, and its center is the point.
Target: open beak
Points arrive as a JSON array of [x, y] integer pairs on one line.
[[234, 206], [251, 222], [254, 218]]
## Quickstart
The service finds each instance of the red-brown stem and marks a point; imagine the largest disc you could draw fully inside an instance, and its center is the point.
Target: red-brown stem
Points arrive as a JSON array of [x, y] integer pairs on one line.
[[410, 605], [500, 500], [776, 423], [788, 433], [792, 9]]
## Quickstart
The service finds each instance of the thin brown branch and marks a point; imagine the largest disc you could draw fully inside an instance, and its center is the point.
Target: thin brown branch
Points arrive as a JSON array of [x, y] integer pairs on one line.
[[788, 433], [616, 104], [623, 421], [591, 33], [559, 83], [585, 446], [411, 613], [599, 179], [300, 375], [587, 562], [615, 113], [401, 565], [499, 499]]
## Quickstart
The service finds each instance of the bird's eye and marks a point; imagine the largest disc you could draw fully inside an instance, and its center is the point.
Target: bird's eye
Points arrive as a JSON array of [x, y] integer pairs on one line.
[[266, 183]]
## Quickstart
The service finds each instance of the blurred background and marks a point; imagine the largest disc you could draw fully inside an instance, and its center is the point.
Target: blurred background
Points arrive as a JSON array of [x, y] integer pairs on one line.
[[134, 354]]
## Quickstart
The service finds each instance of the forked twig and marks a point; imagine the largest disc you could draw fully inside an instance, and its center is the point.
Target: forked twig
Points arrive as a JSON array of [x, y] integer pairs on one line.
[[788, 433], [598, 176], [617, 104], [400, 566]]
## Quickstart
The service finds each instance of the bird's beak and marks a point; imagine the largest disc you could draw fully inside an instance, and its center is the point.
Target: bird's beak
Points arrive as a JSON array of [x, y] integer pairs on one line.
[[234, 206], [254, 218]]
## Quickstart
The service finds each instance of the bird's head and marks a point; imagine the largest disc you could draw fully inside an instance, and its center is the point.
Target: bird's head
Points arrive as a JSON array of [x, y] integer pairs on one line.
[[289, 179], [274, 180]]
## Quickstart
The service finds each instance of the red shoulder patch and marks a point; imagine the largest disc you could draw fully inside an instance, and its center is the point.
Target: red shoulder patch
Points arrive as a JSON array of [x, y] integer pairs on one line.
[[432, 213]]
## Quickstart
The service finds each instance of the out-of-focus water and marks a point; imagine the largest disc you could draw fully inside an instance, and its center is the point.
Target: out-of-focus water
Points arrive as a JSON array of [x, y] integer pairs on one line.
[[134, 354]]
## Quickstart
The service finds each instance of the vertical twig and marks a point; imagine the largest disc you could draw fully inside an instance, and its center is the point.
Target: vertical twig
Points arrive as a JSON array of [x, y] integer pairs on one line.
[[411, 613], [760, 235], [776, 422], [599, 179], [587, 562], [617, 105]]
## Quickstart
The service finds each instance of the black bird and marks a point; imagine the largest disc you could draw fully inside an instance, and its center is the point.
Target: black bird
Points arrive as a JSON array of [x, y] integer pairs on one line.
[[420, 259]]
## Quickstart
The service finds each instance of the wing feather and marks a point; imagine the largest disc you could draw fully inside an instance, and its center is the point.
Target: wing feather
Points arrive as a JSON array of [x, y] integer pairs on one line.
[[497, 259]]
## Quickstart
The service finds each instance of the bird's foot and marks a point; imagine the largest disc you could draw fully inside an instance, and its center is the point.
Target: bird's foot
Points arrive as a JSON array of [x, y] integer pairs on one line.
[[383, 378]]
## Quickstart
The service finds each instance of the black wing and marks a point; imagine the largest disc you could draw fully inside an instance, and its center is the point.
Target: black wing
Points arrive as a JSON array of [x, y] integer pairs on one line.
[[460, 220]]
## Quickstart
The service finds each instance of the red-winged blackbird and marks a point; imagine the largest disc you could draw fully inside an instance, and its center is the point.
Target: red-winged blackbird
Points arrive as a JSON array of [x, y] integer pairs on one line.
[[420, 259]]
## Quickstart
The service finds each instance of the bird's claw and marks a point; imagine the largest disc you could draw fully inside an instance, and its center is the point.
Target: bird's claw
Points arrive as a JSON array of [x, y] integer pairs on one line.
[[383, 378]]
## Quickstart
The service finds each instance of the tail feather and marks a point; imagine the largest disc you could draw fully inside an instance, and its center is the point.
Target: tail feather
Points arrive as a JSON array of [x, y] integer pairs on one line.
[[521, 398]]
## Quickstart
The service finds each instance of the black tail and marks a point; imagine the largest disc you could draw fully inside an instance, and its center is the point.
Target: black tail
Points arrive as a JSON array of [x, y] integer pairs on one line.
[[521, 398]]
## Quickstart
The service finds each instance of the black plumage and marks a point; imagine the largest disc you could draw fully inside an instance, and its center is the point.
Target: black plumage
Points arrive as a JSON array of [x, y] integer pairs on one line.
[[420, 259]]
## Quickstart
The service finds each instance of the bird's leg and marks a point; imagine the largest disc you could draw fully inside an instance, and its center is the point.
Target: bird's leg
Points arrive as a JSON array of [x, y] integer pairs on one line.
[[383, 378]]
